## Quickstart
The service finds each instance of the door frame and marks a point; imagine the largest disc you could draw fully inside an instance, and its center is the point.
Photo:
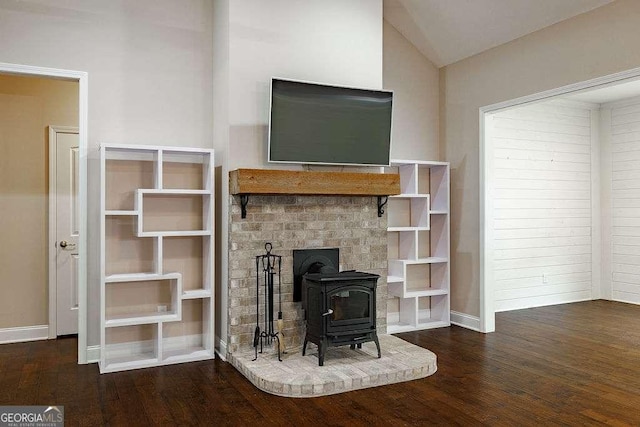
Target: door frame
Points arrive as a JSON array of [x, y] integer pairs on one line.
[[52, 214], [82, 77], [487, 288]]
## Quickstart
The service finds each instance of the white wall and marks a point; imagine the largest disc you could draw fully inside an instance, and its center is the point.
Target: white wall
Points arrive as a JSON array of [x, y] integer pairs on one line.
[[333, 42], [587, 46], [623, 126], [540, 198], [150, 77]]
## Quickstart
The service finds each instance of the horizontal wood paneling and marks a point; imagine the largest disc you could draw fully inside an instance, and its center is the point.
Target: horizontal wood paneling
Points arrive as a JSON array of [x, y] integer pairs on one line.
[[525, 233], [541, 242], [541, 205], [530, 165], [625, 200], [533, 273], [542, 213]]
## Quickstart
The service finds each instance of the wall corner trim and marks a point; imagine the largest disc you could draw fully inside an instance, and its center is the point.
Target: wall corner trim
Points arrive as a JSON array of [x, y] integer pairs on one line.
[[221, 349], [93, 354], [465, 321]]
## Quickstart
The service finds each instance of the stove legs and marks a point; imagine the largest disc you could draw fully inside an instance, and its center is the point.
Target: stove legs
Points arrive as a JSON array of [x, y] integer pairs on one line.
[[322, 348], [323, 343], [375, 339]]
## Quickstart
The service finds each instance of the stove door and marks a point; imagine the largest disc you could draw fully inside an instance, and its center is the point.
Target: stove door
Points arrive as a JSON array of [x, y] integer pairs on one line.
[[350, 308]]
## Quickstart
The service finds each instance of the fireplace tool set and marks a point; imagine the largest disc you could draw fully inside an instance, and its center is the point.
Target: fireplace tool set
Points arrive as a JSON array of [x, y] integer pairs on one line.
[[270, 266]]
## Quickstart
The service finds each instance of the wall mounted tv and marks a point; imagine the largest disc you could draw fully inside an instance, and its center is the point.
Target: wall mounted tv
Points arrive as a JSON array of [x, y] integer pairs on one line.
[[312, 123]]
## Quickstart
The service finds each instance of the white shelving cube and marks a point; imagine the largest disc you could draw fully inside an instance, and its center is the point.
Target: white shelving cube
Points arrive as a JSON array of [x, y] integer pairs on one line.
[[156, 293], [419, 264]]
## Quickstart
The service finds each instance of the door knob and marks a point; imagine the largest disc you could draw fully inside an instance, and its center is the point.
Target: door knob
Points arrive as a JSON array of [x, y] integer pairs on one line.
[[64, 244]]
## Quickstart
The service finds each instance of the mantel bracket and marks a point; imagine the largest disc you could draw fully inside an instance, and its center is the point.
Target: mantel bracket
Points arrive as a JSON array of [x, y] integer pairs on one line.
[[244, 200], [382, 201]]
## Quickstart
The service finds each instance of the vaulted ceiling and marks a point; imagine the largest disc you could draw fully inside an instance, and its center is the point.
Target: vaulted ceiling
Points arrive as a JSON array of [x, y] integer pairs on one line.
[[446, 31]]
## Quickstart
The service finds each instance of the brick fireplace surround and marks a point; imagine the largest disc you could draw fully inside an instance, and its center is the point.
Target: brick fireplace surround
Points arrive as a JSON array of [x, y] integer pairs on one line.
[[308, 221], [350, 223]]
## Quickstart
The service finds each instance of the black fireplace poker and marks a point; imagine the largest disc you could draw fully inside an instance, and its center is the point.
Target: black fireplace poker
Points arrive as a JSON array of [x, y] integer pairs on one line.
[[270, 265]]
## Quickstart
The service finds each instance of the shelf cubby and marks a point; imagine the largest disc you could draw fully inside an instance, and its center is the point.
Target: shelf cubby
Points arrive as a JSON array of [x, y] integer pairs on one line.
[[439, 236], [129, 347], [417, 277], [142, 299], [188, 337], [423, 245], [170, 212], [408, 212], [125, 172], [125, 253], [186, 255], [433, 311], [182, 170]]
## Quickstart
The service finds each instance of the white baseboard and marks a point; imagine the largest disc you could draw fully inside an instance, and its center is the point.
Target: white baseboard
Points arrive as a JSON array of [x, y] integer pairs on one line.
[[221, 349], [465, 321], [93, 354], [625, 297], [24, 333]]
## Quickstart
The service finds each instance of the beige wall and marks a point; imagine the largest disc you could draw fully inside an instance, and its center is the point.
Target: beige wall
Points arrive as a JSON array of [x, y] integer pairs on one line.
[[414, 81], [150, 78], [27, 106], [594, 44]]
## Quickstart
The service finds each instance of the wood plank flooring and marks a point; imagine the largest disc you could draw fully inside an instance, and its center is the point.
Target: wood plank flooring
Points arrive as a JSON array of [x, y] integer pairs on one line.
[[573, 364]]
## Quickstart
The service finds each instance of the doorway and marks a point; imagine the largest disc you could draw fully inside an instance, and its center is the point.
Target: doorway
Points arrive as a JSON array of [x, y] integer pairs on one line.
[[589, 245], [29, 260]]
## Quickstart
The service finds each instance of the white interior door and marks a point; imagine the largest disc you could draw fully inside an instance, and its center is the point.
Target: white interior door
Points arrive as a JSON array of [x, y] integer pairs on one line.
[[67, 228]]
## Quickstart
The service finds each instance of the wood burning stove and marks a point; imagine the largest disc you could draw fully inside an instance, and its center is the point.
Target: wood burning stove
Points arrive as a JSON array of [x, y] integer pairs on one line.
[[340, 309]]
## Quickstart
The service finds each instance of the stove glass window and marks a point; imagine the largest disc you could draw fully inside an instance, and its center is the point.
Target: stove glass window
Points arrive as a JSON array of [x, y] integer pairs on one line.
[[349, 305]]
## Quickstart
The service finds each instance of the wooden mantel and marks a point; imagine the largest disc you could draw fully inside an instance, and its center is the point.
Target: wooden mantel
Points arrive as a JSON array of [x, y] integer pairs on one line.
[[271, 181], [245, 182]]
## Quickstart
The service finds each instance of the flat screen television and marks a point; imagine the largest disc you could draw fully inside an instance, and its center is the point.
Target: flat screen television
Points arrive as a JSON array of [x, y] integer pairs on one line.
[[313, 123]]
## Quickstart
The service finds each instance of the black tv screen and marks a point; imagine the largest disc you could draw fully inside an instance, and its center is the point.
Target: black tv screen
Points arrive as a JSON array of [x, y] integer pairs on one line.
[[315, 123]]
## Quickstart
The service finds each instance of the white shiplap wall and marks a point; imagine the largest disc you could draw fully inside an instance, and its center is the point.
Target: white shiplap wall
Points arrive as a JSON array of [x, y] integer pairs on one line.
[[540, 200], [625, 201]]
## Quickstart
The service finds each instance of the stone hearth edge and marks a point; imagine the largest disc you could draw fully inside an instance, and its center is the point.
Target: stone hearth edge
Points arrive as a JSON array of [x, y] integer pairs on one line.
[[344, 370]]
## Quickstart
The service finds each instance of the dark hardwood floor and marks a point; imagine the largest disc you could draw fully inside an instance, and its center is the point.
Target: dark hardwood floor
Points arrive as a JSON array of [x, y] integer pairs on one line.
[[573, 364]]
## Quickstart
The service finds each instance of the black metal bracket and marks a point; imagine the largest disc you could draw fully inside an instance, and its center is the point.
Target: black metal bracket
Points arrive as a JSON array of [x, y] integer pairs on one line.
[[382, 201], [244, 200]]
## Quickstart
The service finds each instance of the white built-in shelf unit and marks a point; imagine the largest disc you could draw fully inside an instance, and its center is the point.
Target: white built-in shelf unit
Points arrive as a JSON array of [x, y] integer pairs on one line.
[[418, 245], [156, 263]]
